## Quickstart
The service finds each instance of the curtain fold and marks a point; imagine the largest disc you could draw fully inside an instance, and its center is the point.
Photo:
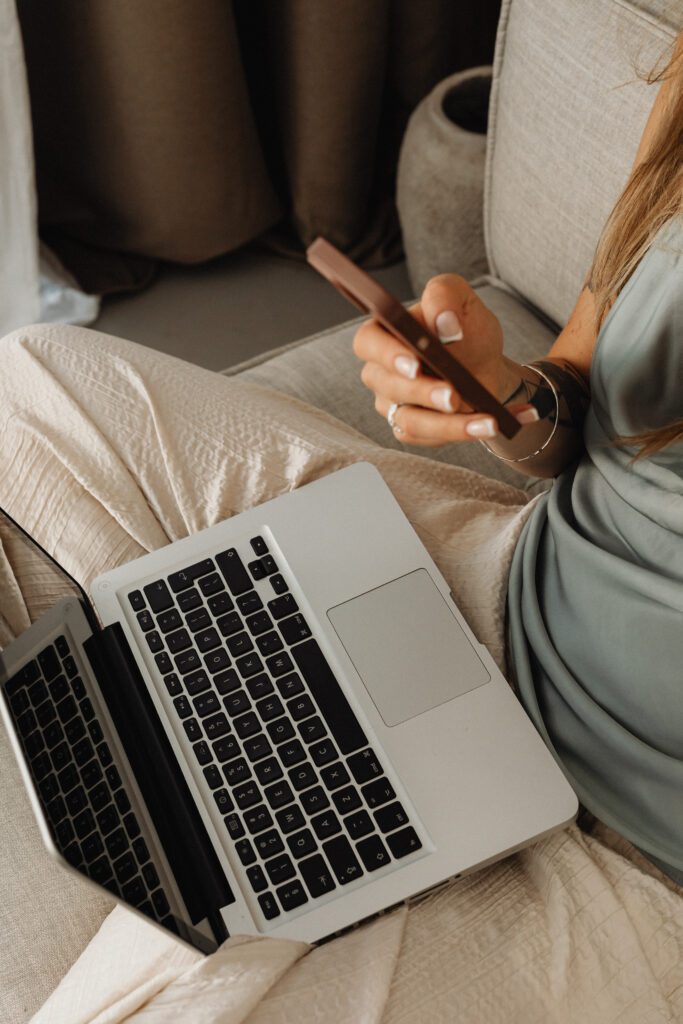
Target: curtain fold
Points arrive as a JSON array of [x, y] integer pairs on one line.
[[182, 129]]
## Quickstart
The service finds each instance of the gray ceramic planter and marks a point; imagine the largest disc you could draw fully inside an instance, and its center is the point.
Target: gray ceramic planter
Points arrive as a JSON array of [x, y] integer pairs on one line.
[[441, 179]]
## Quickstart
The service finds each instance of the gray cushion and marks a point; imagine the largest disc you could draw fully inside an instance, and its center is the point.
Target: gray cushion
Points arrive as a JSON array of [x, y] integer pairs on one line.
[[566, 116], [324, 372]]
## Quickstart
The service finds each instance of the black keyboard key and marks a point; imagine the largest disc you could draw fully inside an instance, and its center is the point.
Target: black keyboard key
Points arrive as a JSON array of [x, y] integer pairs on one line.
[[125, 868], [19, 702], [56, 810], [236, 771], [130, 823], [217, 660], [342, 859], [198, 619], [237, 703], [37, 693], [27, 722], [268, 844], [281, 730], [249, 603], [65, 833], [95, 730], [87, 709], [230, 623], [359, 824], [326, 825], [281, 606], [234, 826], [279, 794], [220, 604], [290, 818], [213, 776], [178, 641], [113, 777], [207, 704], [239, 644], [182, 706], [259, 546], [278, 584], [76, 801], [158, 596], [269, 564], [116, 843], [73, 854], [346, 799], [294, 629], [52, 735], [70, 667], [100, 871], [404, 842], [180, 581], [193, 729], [256, 569], [378, 792], [268, 771], [232, 567], [301, 707], [92, 847], [223, 801], [59, 688], [335, 775], [257, 747], [292, 895], [202, 752], [66, 709], [145, 621], [226, 682], [68, 778], [207, 639], [390, 817], [154, 642], [257, 819], [314, 800], [312, 729], [49, 663], [169, 620], [323, 753], [74, 730], [259, 686], [188, 661], [134, 892], [373, 853], [245, 851], [210, 585], [269, 643], [60, 756], [269, 907], [278, 664], [121, 800], [108, 819], [84, 823], [365, 765], [317, 876], [270, 708], [62, 646], [290, 686], [291, 753], [44, 715], [216, 725], [249, 665], [302, 843], [49, 787], [137, 601], [189, 600], [150, 876], [247, 725], [259, 623], [257, 879], [280, 869], [160, 903], [197, 682], [41, 765], [77, 686], [33, 744], [104, 754], [226, 748], [303, 776]]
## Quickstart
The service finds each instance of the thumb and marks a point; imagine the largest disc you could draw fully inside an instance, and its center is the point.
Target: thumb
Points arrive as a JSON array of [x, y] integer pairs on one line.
[[452, 309]]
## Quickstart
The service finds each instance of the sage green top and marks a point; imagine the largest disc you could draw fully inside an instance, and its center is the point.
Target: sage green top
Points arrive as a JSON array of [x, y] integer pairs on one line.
[[595, 596]]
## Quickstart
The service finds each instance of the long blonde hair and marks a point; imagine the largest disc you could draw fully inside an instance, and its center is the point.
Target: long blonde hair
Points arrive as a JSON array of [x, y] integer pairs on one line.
[[652, 196]]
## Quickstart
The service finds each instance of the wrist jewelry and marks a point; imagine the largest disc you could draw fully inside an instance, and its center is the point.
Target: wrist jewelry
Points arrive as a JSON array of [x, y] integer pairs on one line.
[[545, 444]]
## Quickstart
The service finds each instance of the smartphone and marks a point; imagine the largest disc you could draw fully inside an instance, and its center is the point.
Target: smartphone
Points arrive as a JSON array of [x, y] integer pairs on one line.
[[371, 298]]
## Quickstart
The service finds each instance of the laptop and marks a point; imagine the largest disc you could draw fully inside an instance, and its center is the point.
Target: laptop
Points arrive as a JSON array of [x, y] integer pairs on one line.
[[280, 726]]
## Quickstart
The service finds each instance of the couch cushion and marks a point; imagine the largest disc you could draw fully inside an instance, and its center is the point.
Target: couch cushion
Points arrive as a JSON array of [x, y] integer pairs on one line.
[[567, 112], [324, 372]]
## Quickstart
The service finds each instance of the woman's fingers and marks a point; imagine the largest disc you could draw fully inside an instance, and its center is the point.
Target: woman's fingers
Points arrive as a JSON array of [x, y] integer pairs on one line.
[[372, 343], [427, 391], [419, 426]]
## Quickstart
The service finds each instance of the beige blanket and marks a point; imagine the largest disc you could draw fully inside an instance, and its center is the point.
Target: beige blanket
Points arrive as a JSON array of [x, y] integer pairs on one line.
[[108, 451]]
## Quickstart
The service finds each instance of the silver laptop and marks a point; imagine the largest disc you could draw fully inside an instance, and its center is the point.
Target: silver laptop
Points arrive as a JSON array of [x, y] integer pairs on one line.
[[279, 726]]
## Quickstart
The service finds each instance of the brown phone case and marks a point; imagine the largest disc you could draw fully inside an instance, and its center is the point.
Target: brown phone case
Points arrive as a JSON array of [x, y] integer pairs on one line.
[[370, 297]]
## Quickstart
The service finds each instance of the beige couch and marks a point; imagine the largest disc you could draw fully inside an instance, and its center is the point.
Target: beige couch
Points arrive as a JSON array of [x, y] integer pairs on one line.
[[565, 120]]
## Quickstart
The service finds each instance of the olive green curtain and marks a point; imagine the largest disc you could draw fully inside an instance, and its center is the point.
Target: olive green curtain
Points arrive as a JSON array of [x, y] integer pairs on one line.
[[182, 129]]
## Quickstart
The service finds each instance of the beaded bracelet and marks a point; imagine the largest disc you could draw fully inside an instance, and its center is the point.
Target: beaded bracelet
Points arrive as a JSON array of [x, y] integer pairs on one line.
[[545, 444]]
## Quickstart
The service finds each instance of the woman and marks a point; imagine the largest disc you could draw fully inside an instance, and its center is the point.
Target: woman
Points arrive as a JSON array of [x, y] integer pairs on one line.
[[595, 598]]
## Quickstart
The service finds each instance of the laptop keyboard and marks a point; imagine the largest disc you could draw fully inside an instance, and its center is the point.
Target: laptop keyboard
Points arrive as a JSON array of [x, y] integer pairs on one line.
[[303, 796], [79, 785]]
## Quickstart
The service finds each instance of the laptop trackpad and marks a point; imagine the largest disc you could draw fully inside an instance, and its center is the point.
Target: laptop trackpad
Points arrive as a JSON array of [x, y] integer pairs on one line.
[[407, 647]]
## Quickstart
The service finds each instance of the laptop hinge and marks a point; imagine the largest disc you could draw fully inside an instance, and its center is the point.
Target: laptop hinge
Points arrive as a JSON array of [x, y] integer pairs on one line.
[[193, 860]]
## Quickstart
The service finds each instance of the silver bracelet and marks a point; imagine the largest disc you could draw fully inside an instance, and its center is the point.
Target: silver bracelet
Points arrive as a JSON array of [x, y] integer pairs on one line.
[[545, 444]]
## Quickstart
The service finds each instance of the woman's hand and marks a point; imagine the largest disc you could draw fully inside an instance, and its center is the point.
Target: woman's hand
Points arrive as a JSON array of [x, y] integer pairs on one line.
[[432, 413]]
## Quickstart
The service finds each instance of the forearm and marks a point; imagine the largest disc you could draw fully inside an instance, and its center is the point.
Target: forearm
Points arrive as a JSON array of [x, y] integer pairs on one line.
[[521, 385]]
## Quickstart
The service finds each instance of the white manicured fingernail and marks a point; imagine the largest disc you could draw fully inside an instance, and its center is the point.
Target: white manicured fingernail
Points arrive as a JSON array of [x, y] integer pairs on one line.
[[481, 428], [441, 397], [406, 366], [448, 326], [528, 416]]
